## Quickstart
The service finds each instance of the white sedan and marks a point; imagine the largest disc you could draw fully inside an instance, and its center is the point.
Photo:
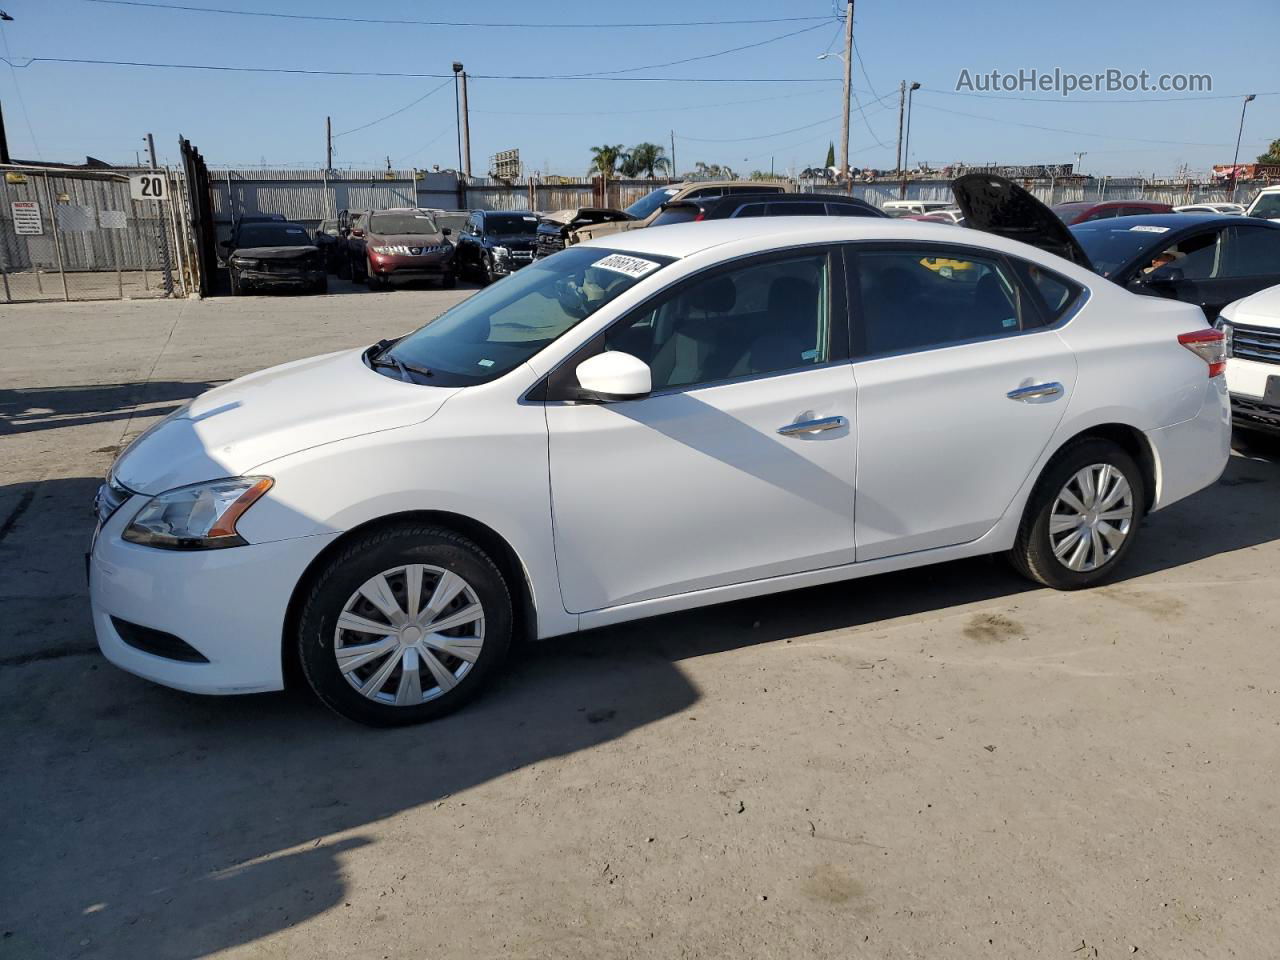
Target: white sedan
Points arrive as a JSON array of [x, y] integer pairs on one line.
[[655, 421]]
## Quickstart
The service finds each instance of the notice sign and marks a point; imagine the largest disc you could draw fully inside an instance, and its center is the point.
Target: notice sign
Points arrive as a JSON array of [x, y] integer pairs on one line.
[[26, 218], [148, 186]]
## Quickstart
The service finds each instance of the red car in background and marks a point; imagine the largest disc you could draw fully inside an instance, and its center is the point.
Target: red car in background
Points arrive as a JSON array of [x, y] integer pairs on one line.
[[1078, 211]]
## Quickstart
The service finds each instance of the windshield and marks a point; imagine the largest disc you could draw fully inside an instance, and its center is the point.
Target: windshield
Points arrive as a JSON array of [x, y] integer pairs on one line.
[[1267, 205], [415, 223], [505, 324], [651, 202], [510, 224], [273, 235], [1112, 243]]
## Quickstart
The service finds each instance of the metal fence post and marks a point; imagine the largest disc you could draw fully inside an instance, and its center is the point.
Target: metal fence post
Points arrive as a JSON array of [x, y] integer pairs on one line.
[[57, 238]]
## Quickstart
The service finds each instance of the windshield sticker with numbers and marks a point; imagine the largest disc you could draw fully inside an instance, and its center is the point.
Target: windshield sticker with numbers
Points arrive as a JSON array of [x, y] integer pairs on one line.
[[633, 267], [1148, 228]]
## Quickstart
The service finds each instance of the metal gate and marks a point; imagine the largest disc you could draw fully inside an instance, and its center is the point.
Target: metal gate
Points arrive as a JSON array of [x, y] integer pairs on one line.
[[78, 235]]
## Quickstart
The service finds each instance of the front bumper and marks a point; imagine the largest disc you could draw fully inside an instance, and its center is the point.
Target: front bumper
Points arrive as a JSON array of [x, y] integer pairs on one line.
[[1255, 394], [270, 278], [509, 264], [229, 605], [431, 266]]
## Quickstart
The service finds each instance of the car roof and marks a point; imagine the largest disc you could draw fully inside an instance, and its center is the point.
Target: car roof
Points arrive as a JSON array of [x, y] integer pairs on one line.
[[762, 234], [1172, 221]]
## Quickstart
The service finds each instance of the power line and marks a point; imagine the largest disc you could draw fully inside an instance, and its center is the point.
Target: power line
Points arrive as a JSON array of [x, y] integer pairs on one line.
[[704, 56], [544, 25], [299, 71], [763, 136], [1077, 133], [625, 113], [393, 112], [996, 96]]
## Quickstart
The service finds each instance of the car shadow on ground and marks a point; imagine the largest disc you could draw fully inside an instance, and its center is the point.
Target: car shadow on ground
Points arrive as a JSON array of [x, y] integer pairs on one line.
[[211, 822], [28, 409]]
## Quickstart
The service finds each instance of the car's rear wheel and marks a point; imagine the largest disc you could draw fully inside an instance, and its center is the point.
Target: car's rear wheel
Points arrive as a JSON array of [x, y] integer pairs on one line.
[[404, 625], [1083, 516]]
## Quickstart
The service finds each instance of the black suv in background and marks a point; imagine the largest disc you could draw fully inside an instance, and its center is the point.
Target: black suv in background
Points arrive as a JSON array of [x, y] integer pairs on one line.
[[495, 243], [763, 205], [274, 253]]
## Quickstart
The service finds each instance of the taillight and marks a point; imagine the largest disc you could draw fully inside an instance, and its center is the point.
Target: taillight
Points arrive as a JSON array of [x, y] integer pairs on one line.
[[700, 217], [1210, 346]]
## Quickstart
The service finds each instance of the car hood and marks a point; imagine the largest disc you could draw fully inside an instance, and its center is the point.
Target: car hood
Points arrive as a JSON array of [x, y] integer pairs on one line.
[[995, 205], [275, 253], [234, 428], [1261, 309]]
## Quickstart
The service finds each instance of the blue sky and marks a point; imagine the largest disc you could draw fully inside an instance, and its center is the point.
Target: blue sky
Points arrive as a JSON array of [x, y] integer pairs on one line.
[[254, 119]]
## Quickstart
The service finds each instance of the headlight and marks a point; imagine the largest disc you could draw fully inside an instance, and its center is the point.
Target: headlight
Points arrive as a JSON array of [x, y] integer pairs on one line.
[[199, 517], [1227, 331], [501, 252], [244, 262]]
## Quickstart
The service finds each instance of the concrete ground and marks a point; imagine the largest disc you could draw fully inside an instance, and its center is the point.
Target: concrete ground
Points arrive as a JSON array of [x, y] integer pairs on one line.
[[941, 763]]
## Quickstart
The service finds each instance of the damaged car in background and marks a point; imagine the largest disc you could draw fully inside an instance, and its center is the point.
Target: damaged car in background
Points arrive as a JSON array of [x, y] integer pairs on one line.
[[564, 228], [274, 253]]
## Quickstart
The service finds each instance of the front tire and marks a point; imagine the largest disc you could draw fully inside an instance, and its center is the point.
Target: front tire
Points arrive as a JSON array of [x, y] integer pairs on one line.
[[404, 625], [236, 289], [1082, 517]]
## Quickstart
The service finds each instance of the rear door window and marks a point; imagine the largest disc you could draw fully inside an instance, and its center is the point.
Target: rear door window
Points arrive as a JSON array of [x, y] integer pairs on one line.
[[1251, 251], [920, 298], [796, 208]]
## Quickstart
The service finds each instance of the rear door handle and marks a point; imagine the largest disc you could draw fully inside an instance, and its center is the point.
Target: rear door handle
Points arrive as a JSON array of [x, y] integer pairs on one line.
[[812, 426], [1037, 392]]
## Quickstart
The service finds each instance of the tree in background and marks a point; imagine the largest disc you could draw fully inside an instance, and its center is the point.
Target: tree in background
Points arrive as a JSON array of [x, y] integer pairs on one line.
[[605, 158], [645, 159], [831, 154], [1273, 153], [711, 171]]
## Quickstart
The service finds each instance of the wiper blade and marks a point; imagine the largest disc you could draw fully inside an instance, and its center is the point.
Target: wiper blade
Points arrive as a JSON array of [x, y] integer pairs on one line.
[[387, 359]]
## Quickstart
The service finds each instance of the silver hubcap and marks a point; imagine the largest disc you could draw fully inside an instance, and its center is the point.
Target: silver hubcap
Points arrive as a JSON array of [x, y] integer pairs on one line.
[[1091, 517], [409, 635]]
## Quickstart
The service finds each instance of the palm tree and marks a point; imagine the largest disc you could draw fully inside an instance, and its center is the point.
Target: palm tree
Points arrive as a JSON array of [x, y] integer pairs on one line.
[[646, 158], [604, 159]]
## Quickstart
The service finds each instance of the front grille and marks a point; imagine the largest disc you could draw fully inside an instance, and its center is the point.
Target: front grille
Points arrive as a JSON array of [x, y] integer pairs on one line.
[[1251, 413], [1255, 343], [111, 495], [550, 245], [157, 642]]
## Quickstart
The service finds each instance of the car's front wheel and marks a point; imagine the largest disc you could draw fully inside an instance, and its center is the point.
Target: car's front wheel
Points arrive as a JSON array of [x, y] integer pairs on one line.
[[403, 625], [1083, 516]]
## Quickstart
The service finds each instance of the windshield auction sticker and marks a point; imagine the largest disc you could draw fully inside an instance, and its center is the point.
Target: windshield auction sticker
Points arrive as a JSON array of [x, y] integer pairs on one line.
[[630, 266], [1148, 228]]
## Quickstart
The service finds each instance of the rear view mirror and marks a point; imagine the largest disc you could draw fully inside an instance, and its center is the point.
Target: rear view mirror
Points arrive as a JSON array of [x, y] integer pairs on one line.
[[614, 376]]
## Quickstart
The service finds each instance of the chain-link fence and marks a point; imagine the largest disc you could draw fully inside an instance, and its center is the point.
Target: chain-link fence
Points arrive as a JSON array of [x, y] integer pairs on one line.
[[79, 235]]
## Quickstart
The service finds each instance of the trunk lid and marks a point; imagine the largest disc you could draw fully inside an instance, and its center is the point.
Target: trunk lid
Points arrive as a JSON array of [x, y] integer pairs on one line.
[[995, 205]]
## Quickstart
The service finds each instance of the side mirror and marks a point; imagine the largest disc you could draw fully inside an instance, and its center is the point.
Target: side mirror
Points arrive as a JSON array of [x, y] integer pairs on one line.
[[446, 232], [614, 375]]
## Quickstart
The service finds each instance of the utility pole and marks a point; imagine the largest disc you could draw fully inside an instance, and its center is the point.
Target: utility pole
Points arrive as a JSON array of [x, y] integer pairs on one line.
[[4, 140], [674, 168], [464, 122], [902, 106], [848, 88], [906, 142], [151, 149], [1235, 173], [328, 143], [1080, 155]]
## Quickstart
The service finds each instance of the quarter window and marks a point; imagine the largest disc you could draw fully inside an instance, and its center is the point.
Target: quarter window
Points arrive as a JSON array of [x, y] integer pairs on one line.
[[920, 298], [1252, 252], [768, 317]]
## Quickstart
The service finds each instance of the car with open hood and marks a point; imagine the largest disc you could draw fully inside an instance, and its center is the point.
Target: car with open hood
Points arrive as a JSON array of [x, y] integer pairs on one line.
[[402, 244], [658, 421], [560, 228], [274, 254], [1205, 259], [643, 212], [495, 243]]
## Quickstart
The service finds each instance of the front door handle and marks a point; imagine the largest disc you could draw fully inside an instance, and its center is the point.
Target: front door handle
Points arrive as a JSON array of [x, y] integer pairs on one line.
[[805, 427], [1037, 392]]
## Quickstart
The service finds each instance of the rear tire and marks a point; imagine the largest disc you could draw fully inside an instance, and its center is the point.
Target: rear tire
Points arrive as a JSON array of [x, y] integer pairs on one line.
[[408, 674], [1067, 548]]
